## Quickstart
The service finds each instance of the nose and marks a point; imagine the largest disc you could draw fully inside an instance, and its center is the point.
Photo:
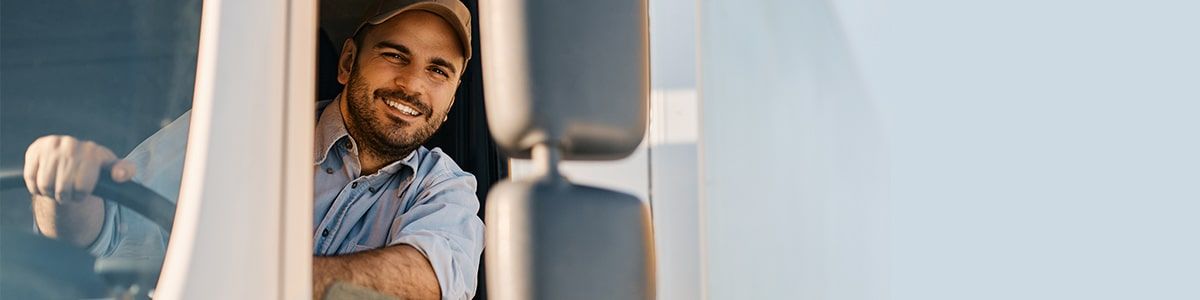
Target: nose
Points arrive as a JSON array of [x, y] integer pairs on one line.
[[407, 79]]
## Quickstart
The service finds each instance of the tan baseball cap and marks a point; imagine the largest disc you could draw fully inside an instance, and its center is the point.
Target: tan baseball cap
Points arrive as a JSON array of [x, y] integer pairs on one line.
[[453, 11]]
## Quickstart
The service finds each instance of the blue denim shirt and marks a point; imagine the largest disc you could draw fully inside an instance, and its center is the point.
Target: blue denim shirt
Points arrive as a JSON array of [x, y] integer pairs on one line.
[[424, 200]]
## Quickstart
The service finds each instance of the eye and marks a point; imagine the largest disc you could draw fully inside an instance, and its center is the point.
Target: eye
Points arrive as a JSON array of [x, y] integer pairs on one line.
[[440, 72], [392, 57]]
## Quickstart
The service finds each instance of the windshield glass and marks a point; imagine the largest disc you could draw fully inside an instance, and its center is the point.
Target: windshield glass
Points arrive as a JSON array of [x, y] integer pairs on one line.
[[85, 84]]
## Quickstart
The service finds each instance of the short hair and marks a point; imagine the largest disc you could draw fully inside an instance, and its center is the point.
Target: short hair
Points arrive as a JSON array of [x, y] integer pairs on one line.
[[360, 36]]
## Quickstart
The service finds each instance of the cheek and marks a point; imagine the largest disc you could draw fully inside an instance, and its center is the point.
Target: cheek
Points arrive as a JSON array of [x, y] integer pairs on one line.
[[377, 73], [444, 102]]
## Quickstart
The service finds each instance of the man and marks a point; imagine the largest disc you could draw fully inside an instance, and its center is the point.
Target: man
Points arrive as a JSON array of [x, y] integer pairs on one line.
[[389, 214]]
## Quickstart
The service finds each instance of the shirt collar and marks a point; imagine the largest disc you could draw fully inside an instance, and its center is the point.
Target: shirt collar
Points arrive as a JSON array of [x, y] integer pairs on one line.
[[412, 160], [409, 161], [330, 130]]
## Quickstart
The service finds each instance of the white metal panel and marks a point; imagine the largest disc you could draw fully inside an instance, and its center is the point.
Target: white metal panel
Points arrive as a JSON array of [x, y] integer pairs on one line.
[[227, 238], [1040, 149], [792, 203], [299, 106], [674, 193], [674, 126]]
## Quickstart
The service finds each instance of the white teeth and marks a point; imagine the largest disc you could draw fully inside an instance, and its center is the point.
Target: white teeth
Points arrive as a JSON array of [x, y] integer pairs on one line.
[[403, 108]]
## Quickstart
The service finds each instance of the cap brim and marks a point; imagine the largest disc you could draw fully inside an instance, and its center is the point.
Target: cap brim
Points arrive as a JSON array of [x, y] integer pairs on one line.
[[436, 8]]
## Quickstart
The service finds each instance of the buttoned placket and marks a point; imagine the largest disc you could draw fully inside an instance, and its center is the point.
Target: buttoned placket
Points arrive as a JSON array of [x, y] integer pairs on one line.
[[346, 197], [350, 194]]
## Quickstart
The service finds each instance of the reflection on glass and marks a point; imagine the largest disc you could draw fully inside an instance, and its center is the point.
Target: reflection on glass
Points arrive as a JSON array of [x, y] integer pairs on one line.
[[112, 73]]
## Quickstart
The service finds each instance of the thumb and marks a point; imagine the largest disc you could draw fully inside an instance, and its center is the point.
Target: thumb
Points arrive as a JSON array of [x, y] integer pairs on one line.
[[123, 170]]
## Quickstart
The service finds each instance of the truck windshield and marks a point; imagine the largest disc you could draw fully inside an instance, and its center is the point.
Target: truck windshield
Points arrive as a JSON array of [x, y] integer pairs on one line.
[[113, 73]]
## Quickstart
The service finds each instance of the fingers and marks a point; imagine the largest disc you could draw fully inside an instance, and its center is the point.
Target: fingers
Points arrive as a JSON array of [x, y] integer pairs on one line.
[[123, 170], [47, 169], [93, 157], [67, 165], [67, 169], [32, 161], [64, 185], [88, 173]]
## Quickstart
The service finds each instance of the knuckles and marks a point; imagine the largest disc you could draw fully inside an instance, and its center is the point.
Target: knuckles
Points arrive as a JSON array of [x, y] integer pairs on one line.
[[52, 153]]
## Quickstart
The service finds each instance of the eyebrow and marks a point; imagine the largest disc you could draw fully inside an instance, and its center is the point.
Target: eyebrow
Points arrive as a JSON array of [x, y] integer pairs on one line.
[[445, 64], [402, 49], [397, 47]]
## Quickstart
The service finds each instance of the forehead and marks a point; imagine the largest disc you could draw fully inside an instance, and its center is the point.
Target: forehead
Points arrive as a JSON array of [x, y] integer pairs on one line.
[[419, 31]]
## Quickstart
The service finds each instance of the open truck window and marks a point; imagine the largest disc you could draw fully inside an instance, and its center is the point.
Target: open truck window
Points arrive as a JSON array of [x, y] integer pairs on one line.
[[464, 136]]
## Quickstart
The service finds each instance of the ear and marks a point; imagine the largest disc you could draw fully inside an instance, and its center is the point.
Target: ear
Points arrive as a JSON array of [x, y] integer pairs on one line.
[[346, 61]]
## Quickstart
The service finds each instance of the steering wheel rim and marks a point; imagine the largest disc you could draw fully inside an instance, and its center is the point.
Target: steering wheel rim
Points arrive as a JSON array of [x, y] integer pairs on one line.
[[132, 195], [31, 251]]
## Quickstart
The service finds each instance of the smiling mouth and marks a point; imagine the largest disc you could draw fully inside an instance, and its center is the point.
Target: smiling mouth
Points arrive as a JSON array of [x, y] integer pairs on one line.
[[403, 108]]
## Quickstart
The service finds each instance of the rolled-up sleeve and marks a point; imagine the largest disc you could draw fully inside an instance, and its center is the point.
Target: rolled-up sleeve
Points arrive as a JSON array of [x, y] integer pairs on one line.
[[105, 243], [443, 225], [159, 161], [127, 234]]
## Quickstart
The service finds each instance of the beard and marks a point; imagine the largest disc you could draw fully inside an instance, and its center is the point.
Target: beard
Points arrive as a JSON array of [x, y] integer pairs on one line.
[[388, 137]]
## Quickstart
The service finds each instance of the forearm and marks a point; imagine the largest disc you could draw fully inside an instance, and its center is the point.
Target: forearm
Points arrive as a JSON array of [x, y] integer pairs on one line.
[[400, 271], [78, 223]]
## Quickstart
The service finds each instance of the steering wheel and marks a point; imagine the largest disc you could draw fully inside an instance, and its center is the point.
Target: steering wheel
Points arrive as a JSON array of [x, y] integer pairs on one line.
[[36, 267]]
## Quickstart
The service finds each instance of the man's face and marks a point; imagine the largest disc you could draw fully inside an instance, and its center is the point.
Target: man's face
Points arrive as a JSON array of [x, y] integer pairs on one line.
[[400, 82]]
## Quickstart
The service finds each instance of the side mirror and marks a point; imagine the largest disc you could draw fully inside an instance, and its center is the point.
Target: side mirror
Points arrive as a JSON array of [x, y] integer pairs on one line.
[[566, 79], [572, 73]]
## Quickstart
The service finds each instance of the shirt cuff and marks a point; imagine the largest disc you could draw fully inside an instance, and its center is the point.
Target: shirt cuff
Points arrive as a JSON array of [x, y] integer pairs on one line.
[[104, 244]]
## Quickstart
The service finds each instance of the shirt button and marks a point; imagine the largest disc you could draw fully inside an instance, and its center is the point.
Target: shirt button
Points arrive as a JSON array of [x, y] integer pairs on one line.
[[328, 170], [373, 189], [349, 145], [354, 185], [325, 233]]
